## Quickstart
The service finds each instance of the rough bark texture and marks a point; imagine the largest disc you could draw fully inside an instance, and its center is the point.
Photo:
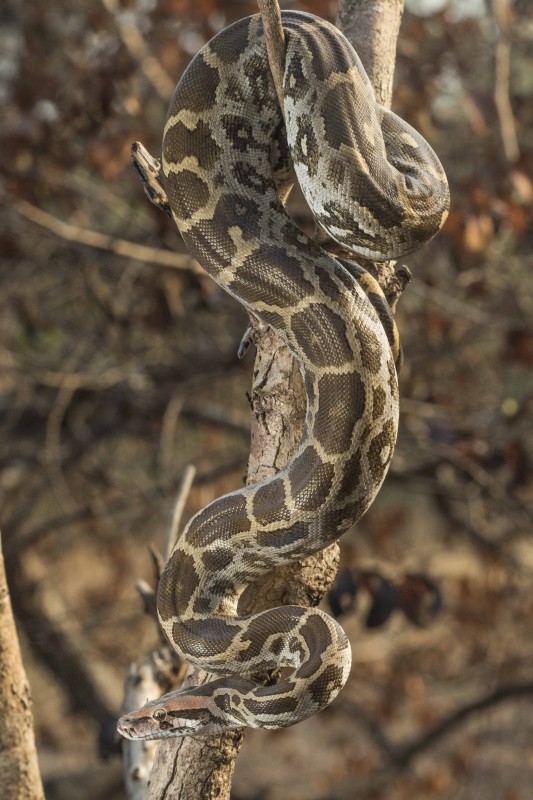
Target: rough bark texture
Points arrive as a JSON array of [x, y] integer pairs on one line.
[[193, 768], [372, 27], [19, 769], [278, 410]]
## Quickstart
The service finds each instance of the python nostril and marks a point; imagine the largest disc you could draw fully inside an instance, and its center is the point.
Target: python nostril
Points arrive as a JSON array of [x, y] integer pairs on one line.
[[126, 725]]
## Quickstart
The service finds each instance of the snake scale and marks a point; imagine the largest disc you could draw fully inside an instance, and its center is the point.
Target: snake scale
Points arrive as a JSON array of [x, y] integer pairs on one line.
[[377, 188]]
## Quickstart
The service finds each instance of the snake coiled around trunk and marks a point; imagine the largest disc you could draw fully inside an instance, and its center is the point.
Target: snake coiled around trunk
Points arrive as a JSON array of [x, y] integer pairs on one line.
[[376, 187]]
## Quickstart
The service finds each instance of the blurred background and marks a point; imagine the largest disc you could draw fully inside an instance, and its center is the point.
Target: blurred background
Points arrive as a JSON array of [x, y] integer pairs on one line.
[[118, 368]]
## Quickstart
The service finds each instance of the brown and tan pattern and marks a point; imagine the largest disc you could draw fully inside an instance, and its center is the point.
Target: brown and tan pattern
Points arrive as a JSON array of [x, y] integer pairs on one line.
[[379, 190]]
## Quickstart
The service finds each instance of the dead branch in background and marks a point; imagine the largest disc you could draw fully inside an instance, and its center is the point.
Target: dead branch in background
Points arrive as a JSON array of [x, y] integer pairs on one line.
[[120, 247], [135, 43], [179, 508], [397, 756], [502, 14]]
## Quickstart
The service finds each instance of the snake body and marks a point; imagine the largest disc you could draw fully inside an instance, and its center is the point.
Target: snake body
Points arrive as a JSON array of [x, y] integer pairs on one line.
[[377, 188]]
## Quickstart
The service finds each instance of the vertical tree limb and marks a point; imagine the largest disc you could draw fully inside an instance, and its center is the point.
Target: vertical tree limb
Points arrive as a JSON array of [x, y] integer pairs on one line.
[[203, 767], [19, 769], [275, 42], [372, 27], [502, 80]]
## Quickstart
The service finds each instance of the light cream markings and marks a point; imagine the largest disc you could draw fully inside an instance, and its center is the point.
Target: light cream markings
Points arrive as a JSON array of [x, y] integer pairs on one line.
[[243, 249], [408, 139]]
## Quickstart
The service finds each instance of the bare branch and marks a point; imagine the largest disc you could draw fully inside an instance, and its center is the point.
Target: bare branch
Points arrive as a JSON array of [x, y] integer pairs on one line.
[[138, 757], [502, 82], [168, 430], [149, 170], [372, 28], [136, 46], [503, 693], [275, 42], [399, 757], [120, 247], [179, 508]]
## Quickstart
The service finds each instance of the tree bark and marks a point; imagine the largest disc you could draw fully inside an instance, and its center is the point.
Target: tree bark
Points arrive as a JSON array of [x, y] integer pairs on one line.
[[19, 768], [202, 767], [372, 27]]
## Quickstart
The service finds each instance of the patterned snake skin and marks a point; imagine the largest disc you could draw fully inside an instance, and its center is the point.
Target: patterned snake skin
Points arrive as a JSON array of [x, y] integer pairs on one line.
[[376, 187]]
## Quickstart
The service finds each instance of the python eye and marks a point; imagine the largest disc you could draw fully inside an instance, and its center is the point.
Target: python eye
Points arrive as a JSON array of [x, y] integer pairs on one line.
[[159, 715]]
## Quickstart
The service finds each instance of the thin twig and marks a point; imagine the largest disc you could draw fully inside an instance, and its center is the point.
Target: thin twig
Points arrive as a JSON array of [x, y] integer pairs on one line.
[[23, 540], [150, 171], [179, 507], [82, 380], [405, 754], [52, 446], [399, 756], [275, 42], [488, 483], [134, 42], [120, 247], [168, 430], [502, 82]]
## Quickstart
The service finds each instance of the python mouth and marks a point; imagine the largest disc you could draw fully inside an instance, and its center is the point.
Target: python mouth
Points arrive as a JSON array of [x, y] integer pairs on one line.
[[133, 729]]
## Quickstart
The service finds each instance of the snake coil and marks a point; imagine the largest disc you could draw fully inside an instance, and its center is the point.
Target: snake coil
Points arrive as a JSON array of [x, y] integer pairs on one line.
[[377, 188]]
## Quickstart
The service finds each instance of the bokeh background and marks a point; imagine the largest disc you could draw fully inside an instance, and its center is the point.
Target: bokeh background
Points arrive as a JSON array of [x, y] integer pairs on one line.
[[119, 368]]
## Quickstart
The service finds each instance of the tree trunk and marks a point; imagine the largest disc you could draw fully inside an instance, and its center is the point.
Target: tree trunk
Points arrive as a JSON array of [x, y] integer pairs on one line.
[[199, 767], [372, 27], [19, 769]]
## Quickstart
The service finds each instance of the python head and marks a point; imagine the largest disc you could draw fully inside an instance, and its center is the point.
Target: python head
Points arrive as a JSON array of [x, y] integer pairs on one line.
[[200, 711], [174, 714]]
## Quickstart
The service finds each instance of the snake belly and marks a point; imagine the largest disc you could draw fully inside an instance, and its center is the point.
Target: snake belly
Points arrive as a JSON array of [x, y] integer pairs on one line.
[[378, 189]]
